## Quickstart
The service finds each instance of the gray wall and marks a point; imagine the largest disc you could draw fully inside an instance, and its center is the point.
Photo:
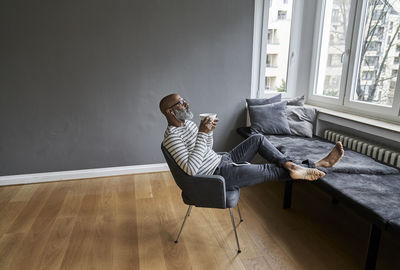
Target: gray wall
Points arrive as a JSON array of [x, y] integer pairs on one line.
[[80, 81]]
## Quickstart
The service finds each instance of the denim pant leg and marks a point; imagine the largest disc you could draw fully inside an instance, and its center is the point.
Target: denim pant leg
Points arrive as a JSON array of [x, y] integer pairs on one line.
[[248, 175], [251, 174], [257, 143]]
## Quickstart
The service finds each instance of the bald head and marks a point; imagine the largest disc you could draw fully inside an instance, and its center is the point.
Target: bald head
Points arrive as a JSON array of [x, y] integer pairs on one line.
[[168, 101]]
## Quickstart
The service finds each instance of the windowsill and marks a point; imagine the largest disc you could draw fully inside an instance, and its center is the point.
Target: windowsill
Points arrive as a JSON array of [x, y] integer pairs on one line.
[[358, 119]]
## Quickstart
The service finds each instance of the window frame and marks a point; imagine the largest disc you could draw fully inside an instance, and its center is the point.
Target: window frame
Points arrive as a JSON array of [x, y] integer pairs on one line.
[[349, 71]]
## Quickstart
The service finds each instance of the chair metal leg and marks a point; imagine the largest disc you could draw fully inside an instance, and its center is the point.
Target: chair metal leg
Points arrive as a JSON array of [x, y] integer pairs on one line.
[[190, 210], [183, 224], [234, 229], [240, 215]]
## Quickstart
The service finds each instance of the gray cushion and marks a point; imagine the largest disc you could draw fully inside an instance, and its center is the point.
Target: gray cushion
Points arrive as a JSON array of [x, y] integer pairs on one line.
[[297, 101], [269, 119], [263, 101], [376, 196], [301, 120]]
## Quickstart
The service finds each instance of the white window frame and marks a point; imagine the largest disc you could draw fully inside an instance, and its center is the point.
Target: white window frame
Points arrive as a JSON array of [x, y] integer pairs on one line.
[[349, 71], [261, 12]]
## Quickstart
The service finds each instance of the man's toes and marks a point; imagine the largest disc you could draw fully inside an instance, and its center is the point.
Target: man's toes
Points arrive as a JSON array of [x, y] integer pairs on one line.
[[339, 146]]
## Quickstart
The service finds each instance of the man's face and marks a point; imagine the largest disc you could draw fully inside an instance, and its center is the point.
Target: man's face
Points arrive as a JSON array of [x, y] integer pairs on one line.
[[180, 107]]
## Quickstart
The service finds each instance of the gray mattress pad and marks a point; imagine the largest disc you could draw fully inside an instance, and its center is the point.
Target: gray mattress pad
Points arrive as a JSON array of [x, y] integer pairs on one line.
[[300, 148]]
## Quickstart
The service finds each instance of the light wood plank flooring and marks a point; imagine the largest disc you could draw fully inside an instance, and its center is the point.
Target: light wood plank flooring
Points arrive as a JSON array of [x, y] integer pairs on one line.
[[130, 222]]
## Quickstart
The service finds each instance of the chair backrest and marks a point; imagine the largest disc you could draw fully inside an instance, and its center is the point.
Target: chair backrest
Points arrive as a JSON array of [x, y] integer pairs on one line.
[[178, 174]]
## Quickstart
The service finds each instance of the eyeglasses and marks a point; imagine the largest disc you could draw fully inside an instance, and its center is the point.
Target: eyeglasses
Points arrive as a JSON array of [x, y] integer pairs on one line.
[[181, 101]]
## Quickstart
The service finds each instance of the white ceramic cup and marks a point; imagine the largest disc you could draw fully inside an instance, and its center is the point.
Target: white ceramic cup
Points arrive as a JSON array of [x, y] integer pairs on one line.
[[211, 115]]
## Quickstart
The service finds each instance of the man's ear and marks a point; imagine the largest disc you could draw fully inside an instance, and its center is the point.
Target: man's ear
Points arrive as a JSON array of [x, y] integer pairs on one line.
[[170, 111]]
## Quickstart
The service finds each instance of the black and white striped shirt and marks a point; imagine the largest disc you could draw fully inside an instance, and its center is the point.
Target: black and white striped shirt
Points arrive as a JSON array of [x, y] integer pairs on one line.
[[191, 149]]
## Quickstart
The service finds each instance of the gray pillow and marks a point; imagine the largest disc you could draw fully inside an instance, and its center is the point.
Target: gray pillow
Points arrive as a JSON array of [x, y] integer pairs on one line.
[[297, 101], [269, 119], [263, 101], [301, 120]]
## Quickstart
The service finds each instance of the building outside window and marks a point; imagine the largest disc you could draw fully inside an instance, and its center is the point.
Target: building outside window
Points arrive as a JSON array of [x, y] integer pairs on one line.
[[277, 48]]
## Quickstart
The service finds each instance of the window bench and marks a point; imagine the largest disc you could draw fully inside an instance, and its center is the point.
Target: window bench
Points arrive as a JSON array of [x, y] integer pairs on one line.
[[368, 187]]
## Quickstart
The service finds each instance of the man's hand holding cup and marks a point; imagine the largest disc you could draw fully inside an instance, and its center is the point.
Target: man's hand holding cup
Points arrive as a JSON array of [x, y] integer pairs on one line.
[[208, 122]]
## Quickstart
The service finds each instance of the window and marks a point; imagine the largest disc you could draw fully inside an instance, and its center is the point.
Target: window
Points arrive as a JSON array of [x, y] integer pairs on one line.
[[336, 16], [378, 15], [274, 45], [373, 45], [334, 60], [281, 14], [332, 42], [375, 48], [271, 60], [378, 32], [369, 57], [272, 36], [285, 1], [371, 61], [368, 75]]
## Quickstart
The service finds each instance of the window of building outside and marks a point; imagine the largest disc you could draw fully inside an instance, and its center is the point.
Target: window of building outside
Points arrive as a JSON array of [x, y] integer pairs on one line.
[[368, 72], [281, 14], [277, 47], [371, 61]]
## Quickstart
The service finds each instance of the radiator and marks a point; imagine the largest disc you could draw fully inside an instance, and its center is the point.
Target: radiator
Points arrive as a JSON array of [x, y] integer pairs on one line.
[[374, 150]]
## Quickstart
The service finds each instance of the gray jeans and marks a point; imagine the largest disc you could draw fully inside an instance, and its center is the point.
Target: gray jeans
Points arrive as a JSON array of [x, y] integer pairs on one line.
[[251, 174]]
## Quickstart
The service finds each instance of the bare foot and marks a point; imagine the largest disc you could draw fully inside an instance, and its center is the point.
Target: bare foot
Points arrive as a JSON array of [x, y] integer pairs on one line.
[[310, 174], [333, 157]]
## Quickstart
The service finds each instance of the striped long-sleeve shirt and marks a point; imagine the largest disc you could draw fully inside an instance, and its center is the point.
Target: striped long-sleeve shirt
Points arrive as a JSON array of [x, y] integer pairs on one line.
[[191, 149]]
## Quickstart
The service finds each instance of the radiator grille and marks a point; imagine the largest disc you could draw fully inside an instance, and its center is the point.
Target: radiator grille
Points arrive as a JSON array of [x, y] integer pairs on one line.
[[378, 152]]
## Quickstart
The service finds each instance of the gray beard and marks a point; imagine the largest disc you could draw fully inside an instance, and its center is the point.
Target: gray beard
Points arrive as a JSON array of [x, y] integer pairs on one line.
[[183, 114]]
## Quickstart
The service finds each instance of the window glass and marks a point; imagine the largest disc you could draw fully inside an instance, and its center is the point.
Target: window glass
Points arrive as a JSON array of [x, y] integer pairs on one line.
[[378, 54], [278, 40], [332, 48]]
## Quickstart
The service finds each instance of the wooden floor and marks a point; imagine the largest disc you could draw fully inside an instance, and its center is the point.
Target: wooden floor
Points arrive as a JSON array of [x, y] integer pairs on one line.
[[130, 222]]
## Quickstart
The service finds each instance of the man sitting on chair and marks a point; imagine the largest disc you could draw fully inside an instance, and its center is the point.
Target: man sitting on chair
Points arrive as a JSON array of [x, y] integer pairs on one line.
[[191, 148]]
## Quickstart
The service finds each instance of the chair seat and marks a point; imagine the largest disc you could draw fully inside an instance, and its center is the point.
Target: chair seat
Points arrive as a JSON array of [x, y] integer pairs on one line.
[[232, 199]]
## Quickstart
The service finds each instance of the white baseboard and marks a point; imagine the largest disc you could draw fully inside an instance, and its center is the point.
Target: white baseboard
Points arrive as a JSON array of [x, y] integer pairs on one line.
[[80, 174]]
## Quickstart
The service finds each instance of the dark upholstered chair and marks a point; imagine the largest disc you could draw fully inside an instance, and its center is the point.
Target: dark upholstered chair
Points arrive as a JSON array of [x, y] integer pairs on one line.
[[203, 191]]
